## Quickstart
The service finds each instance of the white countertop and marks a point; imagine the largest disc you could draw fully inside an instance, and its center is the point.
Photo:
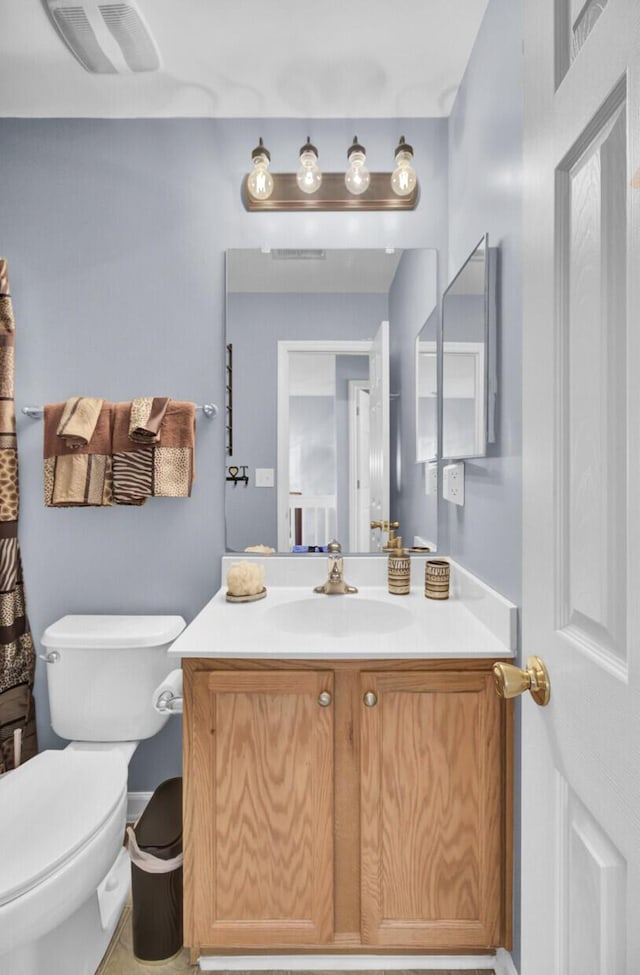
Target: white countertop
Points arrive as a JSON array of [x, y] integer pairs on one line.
[[293, 622]]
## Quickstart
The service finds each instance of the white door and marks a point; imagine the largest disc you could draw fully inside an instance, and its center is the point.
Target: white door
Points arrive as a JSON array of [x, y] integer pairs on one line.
[[359, 498], [581, 473], [379, 480]]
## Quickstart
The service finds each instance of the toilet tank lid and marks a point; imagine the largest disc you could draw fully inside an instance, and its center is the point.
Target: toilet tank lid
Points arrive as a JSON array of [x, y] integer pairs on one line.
[[111, 632]]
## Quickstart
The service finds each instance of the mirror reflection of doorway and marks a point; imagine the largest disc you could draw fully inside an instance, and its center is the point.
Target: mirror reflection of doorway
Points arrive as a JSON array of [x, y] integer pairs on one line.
[[463, 384], [323, 445], [313, 450]]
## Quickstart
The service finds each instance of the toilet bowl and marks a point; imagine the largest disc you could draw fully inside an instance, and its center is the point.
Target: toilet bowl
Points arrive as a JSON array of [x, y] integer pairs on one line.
[[64, 876]]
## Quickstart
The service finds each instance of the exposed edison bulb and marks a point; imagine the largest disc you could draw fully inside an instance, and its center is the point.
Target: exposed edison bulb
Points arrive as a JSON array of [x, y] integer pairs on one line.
[[260, 181], [403, 178], [309, 177], [357, 176]]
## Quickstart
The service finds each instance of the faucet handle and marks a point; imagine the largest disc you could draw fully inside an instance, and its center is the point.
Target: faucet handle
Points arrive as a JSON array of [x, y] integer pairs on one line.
[[385, 525]]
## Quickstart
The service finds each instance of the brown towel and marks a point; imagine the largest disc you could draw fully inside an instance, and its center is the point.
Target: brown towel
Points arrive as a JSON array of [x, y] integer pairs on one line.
[[78, 420], [145, 418], [77, 476], [161, 469]]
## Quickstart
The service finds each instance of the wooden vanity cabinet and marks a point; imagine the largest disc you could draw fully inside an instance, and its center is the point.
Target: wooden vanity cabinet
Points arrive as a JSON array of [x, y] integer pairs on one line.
[[346, 806], [431, 810], [259, 810]]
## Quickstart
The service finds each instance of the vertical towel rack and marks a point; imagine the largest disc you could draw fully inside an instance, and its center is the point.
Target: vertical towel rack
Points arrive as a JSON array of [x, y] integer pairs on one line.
[[229, 388]]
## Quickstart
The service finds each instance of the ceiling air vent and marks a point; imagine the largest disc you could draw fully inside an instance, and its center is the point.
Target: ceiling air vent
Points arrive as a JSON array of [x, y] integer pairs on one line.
[[106, 38], [298, 255]]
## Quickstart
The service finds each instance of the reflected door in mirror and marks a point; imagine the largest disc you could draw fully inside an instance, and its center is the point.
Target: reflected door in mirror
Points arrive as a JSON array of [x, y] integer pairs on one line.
[[426, 379]]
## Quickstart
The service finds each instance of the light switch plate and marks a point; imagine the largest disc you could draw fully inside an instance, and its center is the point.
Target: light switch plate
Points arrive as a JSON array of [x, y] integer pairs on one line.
[[453, 483], [264, 477]]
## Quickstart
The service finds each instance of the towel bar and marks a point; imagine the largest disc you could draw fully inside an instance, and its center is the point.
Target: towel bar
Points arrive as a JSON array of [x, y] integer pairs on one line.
[[36, 412]]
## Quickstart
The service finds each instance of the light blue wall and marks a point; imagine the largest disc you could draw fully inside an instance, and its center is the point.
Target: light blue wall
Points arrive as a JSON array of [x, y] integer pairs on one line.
[[412, 298], [115, 232], [485, 150]]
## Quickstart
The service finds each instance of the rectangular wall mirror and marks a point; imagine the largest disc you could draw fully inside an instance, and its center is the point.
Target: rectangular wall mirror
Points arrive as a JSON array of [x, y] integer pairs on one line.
[[312, 334], [469, 357]]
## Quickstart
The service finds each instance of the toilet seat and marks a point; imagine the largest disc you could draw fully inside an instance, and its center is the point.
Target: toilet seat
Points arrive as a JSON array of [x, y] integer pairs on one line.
[[50, 808]]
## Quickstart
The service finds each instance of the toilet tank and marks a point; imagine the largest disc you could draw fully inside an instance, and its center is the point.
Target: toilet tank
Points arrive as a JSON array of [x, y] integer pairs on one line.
[[102, 671]]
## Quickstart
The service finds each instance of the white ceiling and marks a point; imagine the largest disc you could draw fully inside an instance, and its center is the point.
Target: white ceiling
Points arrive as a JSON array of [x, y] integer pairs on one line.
[[252, 59]]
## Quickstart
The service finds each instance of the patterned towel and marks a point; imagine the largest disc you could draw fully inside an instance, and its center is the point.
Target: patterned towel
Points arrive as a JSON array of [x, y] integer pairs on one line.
[[145, 418], [161, 469], [78, 420], [77, 476], [132, 463]]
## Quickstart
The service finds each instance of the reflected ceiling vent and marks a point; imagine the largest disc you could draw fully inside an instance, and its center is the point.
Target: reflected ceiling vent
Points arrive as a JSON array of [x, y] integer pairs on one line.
[[106, 38], [298, 255]]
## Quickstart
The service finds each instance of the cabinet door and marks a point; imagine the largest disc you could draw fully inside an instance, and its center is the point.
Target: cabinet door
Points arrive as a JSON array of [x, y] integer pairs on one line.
[[259, 854], [432, 810]]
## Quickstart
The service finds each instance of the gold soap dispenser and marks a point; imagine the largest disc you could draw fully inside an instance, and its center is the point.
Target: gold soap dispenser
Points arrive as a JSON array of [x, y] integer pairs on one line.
[[399, 570]]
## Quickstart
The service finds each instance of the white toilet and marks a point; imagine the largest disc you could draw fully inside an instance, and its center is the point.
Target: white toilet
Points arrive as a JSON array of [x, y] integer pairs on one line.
[[64, 876]]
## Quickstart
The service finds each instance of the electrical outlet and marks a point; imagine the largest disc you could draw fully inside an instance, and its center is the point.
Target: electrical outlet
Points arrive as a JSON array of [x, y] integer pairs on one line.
[[453, 483], [431, 479]]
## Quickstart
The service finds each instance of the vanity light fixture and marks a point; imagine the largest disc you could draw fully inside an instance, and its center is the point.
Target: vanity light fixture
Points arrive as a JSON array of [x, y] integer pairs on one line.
[[310, 189], [357, 176], [260, 180], [309, 177], [403, 178]]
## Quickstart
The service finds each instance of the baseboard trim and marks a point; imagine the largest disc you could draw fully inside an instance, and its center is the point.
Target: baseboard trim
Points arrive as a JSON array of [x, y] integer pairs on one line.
[[504, 963], [324, 963], [136, 802]]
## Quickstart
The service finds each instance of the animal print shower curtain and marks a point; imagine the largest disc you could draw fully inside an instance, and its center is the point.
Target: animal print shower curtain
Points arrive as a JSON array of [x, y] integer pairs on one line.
[[17, 656]]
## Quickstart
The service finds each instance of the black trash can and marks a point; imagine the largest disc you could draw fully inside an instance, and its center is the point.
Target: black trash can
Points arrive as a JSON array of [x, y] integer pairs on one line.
[[155, 848]]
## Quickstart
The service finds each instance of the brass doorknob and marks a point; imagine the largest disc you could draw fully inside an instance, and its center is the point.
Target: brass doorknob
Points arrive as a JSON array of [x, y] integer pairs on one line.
[[324, 699], [512, 681]]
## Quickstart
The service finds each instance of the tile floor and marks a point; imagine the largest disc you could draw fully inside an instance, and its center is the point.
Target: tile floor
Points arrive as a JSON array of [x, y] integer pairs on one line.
[[120, 960]]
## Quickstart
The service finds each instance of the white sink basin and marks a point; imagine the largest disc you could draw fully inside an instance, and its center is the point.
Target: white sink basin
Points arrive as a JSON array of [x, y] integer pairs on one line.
[[338, 616], [292, 622]]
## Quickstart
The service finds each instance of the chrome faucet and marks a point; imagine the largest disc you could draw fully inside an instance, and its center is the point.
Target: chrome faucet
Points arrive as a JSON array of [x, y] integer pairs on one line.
[[335, 584]]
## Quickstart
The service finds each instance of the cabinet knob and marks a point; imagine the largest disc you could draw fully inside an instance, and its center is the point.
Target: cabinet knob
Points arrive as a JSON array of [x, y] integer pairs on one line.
[[324, 699], [370, 699]]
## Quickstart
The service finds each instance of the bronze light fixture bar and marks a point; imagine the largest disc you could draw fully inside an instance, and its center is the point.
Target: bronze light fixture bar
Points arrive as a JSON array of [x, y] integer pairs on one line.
[[332, 195], [310, 189]]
